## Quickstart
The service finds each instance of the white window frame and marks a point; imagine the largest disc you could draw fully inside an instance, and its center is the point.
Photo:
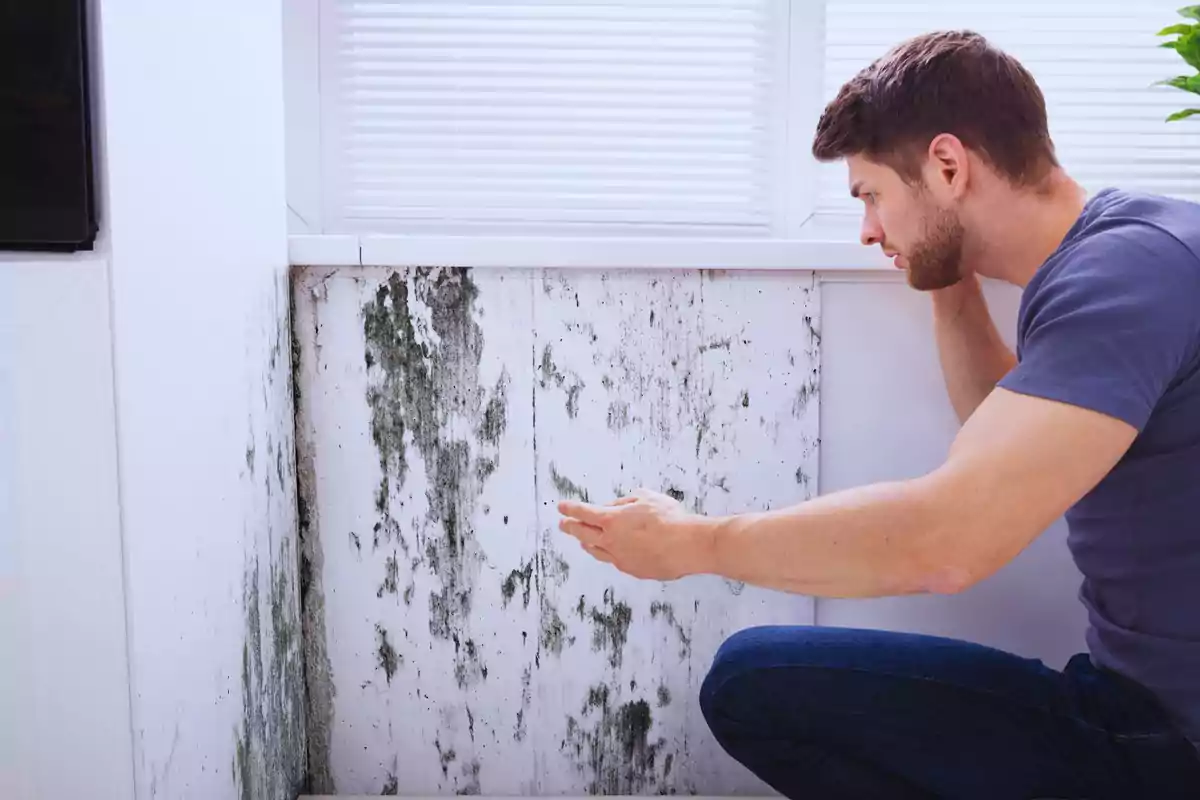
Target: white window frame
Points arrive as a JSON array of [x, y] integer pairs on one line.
[[809, 241]]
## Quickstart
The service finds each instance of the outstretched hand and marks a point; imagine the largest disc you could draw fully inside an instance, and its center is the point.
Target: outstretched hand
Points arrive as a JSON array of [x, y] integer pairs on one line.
[[645, 534]]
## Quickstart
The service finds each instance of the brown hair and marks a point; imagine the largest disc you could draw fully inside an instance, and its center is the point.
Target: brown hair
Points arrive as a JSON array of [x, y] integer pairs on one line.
[[942, 82]]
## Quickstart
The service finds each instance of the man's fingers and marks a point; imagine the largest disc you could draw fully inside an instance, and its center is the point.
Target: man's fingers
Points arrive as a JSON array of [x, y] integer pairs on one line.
[[599, 553], [595, 516], [588, 535], [624, 501]]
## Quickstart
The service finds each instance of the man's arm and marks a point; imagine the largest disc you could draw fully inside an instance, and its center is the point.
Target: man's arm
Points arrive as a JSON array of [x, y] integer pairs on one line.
[[974, 357], [1015, 467]]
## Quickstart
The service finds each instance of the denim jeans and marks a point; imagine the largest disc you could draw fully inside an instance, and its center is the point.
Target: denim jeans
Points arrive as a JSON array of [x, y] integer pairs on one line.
[[834, 714]]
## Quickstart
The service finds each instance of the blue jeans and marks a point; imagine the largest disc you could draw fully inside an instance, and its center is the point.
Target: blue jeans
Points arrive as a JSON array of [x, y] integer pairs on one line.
[[834, 714]]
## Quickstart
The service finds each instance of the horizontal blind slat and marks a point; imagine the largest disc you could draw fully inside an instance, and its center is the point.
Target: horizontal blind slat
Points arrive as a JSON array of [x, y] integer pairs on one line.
[[544, 113]]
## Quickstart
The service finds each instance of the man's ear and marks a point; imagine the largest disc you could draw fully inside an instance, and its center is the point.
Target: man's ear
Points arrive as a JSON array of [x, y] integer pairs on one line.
[[948, 166]]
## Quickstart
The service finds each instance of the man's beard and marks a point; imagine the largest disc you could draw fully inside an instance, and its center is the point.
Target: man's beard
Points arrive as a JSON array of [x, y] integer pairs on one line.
[[936, 261]]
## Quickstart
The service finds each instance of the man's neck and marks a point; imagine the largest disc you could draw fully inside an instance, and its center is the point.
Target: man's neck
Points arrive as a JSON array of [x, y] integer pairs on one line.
[[1020, 229]]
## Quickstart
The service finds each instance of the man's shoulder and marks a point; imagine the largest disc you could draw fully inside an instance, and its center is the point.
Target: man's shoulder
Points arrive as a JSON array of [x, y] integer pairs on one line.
[[1141, 242]]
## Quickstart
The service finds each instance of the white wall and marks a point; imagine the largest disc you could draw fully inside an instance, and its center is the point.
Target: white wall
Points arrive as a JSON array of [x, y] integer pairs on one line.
[[195, 204], [457, 641], [885, 415], [64, 691]]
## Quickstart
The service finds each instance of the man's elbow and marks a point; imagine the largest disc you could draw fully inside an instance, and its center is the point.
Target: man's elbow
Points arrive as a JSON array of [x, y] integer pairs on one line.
[[954, 565]]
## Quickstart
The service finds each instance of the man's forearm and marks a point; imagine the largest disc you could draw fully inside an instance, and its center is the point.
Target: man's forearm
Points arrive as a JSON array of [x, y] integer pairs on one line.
[[870, 541], [973, 356]]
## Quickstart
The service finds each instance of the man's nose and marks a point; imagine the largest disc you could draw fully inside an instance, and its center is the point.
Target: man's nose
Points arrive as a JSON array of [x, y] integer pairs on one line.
[[870, 234]]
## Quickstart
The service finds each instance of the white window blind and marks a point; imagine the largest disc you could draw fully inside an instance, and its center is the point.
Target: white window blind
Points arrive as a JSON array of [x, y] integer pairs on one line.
[[646, 118], [1095, 61]]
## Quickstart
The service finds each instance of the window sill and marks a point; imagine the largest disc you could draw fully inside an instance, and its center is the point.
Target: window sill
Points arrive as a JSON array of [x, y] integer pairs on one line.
[[824, 244]]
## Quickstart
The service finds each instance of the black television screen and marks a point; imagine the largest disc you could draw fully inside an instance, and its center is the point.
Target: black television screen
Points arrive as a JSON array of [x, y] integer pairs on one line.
[[46, 182]]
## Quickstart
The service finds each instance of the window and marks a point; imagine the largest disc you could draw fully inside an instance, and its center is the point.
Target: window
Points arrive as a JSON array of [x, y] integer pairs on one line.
[[663, 132]]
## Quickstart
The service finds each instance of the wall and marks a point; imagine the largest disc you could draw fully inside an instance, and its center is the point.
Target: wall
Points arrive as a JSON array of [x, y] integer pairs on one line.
[[885, 415], [64, 690], [195, 200], [457, 641]]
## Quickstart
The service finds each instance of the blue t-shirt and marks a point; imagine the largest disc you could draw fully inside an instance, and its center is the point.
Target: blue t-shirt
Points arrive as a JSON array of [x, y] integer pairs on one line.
[[1111, 322]]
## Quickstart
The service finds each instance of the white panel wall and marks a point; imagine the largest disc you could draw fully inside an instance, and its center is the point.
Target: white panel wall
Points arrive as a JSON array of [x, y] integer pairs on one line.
[[884, 416], [64, 692], [457, 641], [196, 213]]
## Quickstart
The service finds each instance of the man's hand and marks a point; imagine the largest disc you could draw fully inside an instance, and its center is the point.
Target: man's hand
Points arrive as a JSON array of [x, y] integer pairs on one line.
[[645, 534]]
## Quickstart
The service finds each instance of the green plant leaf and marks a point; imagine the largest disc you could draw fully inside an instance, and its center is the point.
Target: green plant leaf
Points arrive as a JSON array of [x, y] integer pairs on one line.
[[1187, 112], [1191, 12], [1182, 27], [1179, 83], [1188, 47], [1188, 83]]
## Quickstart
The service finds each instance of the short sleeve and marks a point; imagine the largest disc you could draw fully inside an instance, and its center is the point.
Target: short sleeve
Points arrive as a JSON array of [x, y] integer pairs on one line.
[[1111, 326]]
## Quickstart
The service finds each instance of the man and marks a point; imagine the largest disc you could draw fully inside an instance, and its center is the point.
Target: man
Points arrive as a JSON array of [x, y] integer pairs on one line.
[[1096, 417]]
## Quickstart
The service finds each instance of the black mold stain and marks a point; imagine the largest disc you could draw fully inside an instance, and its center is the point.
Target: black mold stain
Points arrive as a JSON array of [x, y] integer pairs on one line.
[[522, 576], [572, 384], [804, 395], [674, 492], [618, 415], [269, 750], [355, 542], [722, 344], [318, 678], [446, 757], [552, 633], [667, 612], [526, 698], [469, 669], [745, 399], [391, 786], [390, 578], [386, 657], [610, 628], [495, 414], [614, 751], [814, 334], [803, 477], [565, 486], [664, 699], [470, 771], [421, 384]]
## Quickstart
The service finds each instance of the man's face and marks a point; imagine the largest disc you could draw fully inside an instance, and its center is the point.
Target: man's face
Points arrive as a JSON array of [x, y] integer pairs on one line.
[[921, 237]]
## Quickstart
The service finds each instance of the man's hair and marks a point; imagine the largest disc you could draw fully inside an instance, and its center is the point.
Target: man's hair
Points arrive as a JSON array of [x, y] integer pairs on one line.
[[952, 82]]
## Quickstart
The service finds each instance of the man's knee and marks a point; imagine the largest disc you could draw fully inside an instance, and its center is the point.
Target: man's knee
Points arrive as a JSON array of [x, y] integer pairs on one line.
[[739, 658], [737, 687]]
